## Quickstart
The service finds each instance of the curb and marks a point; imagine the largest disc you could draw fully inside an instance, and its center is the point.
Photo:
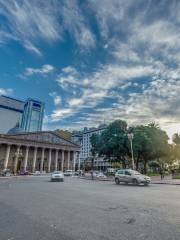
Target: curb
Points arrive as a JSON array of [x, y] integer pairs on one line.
[[110, 180], [165, 183]]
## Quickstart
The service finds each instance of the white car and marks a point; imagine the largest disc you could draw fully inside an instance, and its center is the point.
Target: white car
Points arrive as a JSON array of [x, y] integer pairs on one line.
[[131, 176], [57, 176], [101, 175], [68, 173], [37, 173]]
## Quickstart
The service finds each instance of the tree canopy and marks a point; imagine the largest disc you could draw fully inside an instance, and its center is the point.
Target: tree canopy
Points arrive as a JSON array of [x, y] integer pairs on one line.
[[149, 143]]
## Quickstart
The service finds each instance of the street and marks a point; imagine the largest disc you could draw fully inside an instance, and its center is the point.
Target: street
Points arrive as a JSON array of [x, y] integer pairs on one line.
[[33, 208]]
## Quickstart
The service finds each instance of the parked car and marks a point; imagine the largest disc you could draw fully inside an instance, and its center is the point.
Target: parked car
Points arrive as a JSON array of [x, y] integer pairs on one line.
[[6, 173], [37, 173], [131, 176], [100, 175], [68, 173], [24, 173], [57, 176], [90, 173]]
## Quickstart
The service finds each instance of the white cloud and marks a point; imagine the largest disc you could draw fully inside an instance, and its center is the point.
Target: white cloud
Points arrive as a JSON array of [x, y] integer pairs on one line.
[[45, 69], [28, 45], [29, 22], [58, 114], [57, 99], [76, 24], [6, 91]]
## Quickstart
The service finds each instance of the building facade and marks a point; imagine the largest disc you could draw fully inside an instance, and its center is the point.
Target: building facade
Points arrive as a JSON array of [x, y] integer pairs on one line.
[[28, 114], [32, 116], [11, 111], [83, 139], [37, 151]]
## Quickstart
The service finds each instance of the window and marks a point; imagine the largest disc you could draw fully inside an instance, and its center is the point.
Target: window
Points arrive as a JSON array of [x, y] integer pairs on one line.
[[127, 173], [120, 172]]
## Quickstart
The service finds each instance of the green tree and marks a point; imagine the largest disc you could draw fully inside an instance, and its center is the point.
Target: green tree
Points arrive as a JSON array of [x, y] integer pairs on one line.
[[149, 143], [112, 142], [176, 138], [176, 141]]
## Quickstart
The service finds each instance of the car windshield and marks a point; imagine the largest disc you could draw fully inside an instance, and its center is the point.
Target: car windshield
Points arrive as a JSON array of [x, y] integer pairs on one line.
[[135, 172], [57, 172]]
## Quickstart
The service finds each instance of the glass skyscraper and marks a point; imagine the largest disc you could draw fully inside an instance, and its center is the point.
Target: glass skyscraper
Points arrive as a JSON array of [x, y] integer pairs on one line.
[[32, 116]]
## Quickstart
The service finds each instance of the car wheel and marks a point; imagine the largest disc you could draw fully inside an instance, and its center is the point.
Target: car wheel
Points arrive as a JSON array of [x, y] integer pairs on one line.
[[117, 181], [146, 184], [135, 182]]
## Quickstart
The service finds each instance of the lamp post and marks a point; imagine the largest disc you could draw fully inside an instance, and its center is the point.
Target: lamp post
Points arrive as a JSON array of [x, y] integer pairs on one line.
[[130, 137]]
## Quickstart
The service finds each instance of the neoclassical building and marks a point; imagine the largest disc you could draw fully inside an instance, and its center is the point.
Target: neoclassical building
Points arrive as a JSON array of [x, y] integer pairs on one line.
[[37, 151]]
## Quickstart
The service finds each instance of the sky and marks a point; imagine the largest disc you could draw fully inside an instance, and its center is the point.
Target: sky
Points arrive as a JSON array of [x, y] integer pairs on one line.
[[92, 61]]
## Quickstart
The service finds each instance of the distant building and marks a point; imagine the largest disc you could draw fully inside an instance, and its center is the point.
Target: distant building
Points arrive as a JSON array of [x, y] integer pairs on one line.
[[77, 137], [11, 111], [83, 138], [27, 114], [16, 129], [32, 116], [86, 140], [37, 151], [64, 134]]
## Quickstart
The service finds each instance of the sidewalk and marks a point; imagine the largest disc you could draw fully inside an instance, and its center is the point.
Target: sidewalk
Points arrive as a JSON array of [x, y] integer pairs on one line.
[[166, 180], [154, 180]]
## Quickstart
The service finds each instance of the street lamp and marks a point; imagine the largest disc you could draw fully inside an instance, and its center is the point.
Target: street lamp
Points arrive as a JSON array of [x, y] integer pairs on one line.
[[130, 137]]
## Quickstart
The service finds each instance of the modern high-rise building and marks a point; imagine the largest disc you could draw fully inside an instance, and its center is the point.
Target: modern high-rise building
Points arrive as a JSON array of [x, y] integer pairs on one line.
[[28, 115], [32, 116], [11, 111]]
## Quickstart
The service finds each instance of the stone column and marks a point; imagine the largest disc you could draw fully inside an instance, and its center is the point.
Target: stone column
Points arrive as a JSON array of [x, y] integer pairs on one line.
[[56, 160], [26, 158], [16, 158], [42, 160], [49, 160], [74, 161], [8, 149], [79, 162], [68, 160], [34, 159], [62, 161]]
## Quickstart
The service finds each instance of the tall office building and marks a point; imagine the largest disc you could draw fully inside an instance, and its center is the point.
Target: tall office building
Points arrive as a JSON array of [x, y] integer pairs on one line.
[[11, 111], [32, 116], [28, 115]]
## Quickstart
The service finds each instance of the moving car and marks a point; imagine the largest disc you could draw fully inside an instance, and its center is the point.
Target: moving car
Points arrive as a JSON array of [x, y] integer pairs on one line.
[[131, 176], [57, 176]]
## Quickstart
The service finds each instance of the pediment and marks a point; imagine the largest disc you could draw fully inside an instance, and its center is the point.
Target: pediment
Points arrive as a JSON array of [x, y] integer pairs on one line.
[[49, 137]]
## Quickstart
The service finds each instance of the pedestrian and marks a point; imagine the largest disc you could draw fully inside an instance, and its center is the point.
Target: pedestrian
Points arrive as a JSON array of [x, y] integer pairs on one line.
[[162, 173]]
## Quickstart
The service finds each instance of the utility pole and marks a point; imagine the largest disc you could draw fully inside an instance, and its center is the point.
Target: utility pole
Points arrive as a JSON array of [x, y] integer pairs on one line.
[[130, 137]]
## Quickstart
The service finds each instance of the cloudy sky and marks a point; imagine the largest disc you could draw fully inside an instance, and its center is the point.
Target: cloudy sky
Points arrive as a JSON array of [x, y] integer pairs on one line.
[[93, 61]]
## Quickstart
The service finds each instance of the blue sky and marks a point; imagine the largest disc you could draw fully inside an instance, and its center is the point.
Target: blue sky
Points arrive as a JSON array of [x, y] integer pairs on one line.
[[93, 61]]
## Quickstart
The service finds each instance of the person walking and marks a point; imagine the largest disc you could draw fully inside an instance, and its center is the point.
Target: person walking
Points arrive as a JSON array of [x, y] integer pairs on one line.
[[162, 173]]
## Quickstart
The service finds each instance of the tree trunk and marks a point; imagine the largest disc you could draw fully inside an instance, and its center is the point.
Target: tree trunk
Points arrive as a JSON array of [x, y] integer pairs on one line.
[[137, 164], [145, 166]]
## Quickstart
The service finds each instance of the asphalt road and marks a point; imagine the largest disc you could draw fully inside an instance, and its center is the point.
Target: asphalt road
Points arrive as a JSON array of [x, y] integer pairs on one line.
[[33, 208]]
